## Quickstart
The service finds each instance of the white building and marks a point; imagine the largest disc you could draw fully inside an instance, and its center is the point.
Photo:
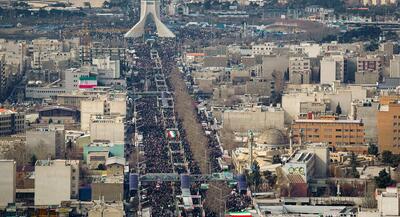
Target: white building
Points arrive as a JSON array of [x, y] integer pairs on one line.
[[388, 201], [263, 49], [56, 181], [310, 163], [46, 142], [107, 67], [7, 182], [101, 105], [254, 118], [395, 66], [332, 69], [109, 128]]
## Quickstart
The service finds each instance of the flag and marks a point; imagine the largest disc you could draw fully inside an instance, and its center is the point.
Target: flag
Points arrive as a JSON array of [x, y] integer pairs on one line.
[[87, 82], [239, 214]]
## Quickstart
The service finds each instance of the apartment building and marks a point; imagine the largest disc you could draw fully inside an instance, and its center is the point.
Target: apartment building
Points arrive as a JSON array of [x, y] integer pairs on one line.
[[299, 70], [335, 132], [56, 181], [11, 122], [388, 124], [369, 70]]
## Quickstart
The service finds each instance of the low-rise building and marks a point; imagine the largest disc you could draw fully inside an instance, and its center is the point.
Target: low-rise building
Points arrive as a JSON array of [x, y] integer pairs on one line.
[[254, 118]]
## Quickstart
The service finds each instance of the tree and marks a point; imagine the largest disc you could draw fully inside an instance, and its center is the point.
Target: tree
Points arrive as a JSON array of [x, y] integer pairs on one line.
[[256, 175], [373, 149], [353, 163], [33, 160], [338, 109], [276, 159], [270, 178], [106, 4], [383, 180], [101, 167], [387, 157], [50, 121]]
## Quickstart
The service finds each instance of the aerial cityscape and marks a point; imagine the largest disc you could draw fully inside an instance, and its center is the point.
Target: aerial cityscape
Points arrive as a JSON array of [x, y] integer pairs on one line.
[[199, 108]]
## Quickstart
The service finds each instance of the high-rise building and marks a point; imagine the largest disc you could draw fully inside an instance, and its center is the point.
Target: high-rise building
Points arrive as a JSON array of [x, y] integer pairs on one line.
[[102, 105], [56, 181], [332, 69], [395, 66], [46, 142], [299, 70], [7, 182], [369, 70], [11, 122], [388, 124], [110, 128]]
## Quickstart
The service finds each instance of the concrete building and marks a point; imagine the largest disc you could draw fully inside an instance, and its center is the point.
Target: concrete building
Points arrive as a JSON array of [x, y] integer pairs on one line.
[[332, 69], [46, 142], [395, 67], [389, 125], [254, 118], [367, 111], [108, 128], [56, 181], [337, 133], [263, 49], [7, 182], [116, 150], [330, 95], [115, 166], [101, 105], [101, 209], [111, 189], [107, 67], [299, 70], [388, 201], [369, 70], [11, 122], [310, 163]]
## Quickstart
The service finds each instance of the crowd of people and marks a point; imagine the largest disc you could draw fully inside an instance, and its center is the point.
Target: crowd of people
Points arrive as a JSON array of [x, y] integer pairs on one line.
[[156, 118]]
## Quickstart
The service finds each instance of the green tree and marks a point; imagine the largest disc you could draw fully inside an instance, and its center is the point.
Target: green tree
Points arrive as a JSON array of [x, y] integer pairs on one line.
[[207, 4], [338, 109], [270, 178], [353, 163], [33, 160], [106, 4], [256, 175], [373, 149], [276, 159], [383, 180], [387, 157]]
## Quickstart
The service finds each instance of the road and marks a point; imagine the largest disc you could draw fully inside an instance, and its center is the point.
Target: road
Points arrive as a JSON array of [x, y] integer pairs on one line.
[[184, 107]]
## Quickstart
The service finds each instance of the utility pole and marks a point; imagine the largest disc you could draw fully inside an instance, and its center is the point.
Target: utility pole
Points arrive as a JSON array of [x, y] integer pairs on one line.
[[250, 143]]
